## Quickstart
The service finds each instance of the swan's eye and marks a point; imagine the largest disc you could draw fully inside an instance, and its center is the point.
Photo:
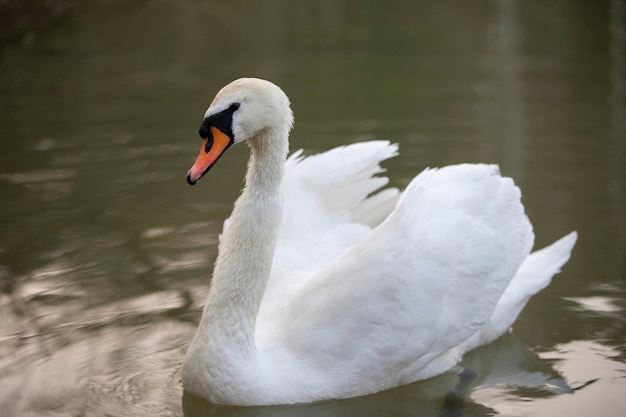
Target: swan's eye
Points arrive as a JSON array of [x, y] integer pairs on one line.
[[233, 107]]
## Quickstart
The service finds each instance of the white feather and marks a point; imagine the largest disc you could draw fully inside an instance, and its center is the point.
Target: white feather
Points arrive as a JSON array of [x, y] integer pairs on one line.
[[326, 287]]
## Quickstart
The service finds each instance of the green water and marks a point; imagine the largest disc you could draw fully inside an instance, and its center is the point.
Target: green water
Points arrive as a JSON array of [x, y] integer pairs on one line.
[[106, 252]]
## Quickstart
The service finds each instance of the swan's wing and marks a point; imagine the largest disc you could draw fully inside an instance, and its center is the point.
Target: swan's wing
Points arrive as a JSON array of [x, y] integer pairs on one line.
[[418, 285], [331, 190], [328, 207], [339, 182]]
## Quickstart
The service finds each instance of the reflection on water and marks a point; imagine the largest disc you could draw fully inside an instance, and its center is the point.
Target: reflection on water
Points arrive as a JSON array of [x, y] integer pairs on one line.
[[105, 252]]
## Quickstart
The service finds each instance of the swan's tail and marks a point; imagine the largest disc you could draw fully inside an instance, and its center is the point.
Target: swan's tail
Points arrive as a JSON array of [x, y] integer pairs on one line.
[[538, 269], [533, 275]]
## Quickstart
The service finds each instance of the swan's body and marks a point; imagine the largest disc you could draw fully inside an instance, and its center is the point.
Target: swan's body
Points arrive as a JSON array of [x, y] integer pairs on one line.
[[321, 290]]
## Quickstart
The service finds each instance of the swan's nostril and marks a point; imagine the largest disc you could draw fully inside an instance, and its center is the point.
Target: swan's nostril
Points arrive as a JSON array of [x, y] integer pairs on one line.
[[206, 133], [209, 142]]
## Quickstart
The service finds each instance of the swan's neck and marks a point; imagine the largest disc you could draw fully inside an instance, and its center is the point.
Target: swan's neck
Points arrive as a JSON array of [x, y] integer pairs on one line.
[[246, 251]]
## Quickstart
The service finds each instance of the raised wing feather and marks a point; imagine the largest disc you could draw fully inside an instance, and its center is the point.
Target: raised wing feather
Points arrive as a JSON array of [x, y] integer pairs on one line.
[[328, 207]]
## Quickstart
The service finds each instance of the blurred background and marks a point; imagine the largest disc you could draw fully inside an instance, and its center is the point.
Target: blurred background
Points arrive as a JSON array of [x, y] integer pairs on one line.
[[106, 252]]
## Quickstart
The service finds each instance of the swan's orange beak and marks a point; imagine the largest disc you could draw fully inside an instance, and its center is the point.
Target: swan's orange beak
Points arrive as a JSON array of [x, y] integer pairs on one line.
[[212, 148]]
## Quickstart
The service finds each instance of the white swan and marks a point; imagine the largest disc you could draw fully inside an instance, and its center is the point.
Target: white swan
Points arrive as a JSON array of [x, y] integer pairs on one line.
[[322, 290]]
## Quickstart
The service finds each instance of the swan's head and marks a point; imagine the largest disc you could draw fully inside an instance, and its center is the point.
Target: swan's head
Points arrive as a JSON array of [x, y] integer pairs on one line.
[[243, 110]]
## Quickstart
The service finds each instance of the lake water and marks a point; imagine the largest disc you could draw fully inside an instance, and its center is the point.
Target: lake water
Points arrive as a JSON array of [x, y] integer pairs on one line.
[[106, 252]]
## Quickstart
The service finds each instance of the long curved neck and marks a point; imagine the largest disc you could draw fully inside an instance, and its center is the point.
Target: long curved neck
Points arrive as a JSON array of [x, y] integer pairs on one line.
[[247, 248]]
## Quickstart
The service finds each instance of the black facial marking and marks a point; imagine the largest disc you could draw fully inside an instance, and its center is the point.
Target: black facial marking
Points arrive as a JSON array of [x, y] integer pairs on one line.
[[222, 120], [204, 131]]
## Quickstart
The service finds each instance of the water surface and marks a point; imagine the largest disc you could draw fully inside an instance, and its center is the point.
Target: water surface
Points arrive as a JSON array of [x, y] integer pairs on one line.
[[106, 253]]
